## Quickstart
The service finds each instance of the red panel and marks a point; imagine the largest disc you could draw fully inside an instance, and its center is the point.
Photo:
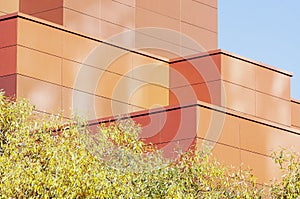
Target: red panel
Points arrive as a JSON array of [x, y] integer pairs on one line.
[[170, 129], [55, 16], [8, 84], [170, 125], [195, 70], [8, 60], [196, 79], [35, 6], [8, 32], [209, 92]]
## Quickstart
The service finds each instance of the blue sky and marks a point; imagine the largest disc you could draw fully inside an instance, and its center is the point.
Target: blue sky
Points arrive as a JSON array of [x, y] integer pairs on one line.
[[263, 30]]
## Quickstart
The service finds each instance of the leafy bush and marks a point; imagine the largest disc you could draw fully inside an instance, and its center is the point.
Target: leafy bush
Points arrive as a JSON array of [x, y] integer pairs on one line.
[[289, 186], [48, 158]]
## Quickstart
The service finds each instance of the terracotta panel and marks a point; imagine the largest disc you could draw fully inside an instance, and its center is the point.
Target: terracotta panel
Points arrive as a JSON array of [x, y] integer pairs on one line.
[[80, 77], [125, 16], [265, 171], [200, 15], [35, 6], [150, 70], [264, 139], [213, 3], [90, 106], [272, 83], [89, 7], [238, 71], [45, 96], [295, 114], [121, 62], [55, 15], [77, 48], [87, 77], [8, 84], [116, 34], [149, 96], [185, 95], [40, 37], [218, 127], [8, 60], [164, 53], [69, 73], [198, 38], [273, 108], [158, 26], [170, 8], [159, 44], [127, 2], [111, 58], [81, 22], [131, 91], [9, 6], [195, 71], [116, 86], [230, 156], [209, 92], [227, 155], [8, 32], [165, 125], [238, 98], [39, 65]]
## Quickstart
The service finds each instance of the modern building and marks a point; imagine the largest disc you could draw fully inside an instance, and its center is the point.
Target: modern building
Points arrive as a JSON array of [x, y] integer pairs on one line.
[[155, 61]]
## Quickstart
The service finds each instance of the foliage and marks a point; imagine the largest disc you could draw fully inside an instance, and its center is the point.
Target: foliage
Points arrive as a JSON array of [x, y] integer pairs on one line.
[[48, 158], [289, 186]]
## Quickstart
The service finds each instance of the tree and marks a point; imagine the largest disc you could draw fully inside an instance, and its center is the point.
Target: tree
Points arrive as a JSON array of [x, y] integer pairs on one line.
[[49, 158], [289, 186]]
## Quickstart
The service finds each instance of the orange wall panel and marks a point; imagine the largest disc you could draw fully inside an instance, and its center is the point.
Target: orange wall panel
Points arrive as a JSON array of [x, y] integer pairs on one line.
[[197, 13], [39, 65], [218, 127], [273, 83], [170, 8], [91, 107], [295, 113], [213, 3], [75, 47], [263, 167], [273, 108], [203, 39], [81, 22], [125, 16], [45, 96], [264, 139], [227, 155], [238, 98], [40, 37], [110, 30], [88, 7], [238, 71], [9, 6]]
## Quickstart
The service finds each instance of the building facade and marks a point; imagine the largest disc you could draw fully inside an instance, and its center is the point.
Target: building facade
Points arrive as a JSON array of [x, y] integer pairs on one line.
[[155, 61]]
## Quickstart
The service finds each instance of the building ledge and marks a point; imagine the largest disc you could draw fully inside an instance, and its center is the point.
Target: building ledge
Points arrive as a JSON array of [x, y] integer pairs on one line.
[[219, 109]]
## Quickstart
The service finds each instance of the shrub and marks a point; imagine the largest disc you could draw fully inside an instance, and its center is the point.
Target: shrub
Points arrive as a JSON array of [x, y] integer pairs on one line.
[[49, 158]]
